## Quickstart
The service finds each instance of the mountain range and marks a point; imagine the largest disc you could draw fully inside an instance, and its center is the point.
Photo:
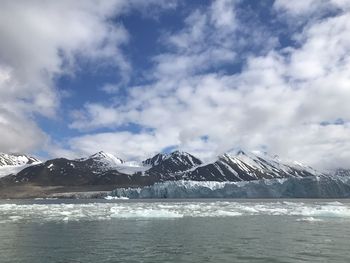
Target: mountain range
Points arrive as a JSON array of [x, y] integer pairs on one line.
[[104, 171]]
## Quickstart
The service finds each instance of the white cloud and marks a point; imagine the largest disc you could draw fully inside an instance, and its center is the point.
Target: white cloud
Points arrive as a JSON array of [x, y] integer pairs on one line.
[[276, 103], [41, 40], [300, 7], [125, 145], [18, 133], [101, 116], [223, 14]]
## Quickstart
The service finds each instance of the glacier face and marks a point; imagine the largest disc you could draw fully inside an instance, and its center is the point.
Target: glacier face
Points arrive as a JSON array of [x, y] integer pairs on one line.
[[307, 187]]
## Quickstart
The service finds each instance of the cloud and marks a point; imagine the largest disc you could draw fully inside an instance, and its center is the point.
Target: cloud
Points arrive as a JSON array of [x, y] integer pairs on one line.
[[42, 40], [277, 102], [300, 7], [277, 98], [308, 7], [101, 116], [18, 133], [125, 145]]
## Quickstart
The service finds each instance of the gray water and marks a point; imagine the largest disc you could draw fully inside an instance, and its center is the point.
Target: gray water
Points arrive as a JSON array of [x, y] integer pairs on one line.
[[175, 231]]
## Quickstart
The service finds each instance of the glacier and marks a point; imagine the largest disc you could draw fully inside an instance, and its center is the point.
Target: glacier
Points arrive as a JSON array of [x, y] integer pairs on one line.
[[322, 186]]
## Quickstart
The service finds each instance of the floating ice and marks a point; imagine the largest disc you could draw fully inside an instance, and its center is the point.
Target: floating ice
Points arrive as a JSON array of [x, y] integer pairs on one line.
[[309, 219], [308, 211], [109, 197]]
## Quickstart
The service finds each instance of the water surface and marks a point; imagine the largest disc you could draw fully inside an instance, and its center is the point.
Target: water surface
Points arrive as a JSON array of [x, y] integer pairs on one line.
[[175, 231]]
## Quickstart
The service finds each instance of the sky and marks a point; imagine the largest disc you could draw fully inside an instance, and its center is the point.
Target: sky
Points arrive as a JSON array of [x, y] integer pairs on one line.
[[134, 78]]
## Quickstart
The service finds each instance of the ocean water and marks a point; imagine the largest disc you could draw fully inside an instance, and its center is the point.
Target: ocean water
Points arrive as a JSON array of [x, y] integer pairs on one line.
[[174, 231]]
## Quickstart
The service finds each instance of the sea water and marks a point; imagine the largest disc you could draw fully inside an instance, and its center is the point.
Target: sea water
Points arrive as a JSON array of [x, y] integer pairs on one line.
[[175, 231]]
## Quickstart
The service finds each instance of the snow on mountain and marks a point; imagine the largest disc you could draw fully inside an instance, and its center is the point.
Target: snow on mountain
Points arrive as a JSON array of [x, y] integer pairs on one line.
[[16, 159], [247, 166], [100, 169], [106, 161], [177, 157], [170, 166], [320, 186], [132, 167], [106, 169], [340, 172], [155, 159], [13, 163]]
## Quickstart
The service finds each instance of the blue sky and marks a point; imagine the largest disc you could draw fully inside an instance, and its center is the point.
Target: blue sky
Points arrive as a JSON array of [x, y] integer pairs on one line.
[[137, 77]]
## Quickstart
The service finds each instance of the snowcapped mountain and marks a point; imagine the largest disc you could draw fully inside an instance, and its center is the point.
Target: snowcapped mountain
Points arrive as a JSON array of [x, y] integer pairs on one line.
[[174, 175], [16, 159], [98, 169], [155, 159], [170, 166], [103, 162], [106, 158], [243, 166], [109, 172], [13, 163]]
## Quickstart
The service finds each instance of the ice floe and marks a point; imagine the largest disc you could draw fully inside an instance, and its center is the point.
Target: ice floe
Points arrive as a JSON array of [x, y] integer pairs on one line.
[[303, 211]]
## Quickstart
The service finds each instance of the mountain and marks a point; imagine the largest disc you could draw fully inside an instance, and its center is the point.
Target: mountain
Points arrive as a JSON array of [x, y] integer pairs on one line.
[[103, 161], [98, 169], [104, 168], [16, 159], [171, 166], [13, 163], [244, 166], [103, 171], [155, 159], [340, 172]]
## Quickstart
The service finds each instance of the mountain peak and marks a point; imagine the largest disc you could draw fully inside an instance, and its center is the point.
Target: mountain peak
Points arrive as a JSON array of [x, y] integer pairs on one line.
[[13, 163], [240, 152], [178, 152], [106, 157], [16, 159], [156, 159], [184, 157]]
